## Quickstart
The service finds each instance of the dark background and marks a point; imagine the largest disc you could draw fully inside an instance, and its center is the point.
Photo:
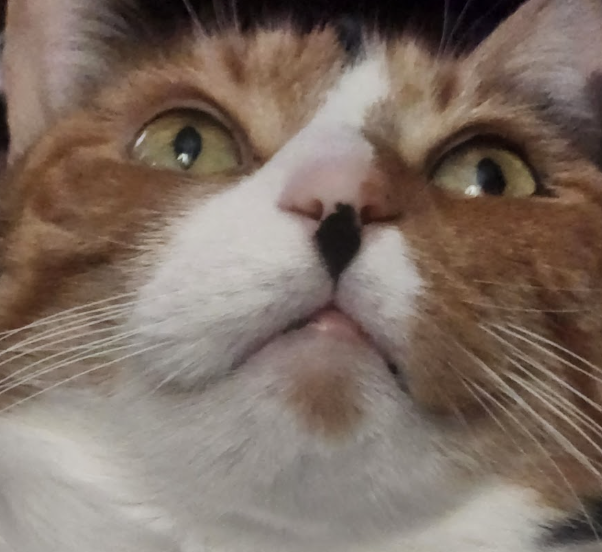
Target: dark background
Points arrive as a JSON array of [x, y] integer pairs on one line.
[[467, 20], [454, 23], [462, 22]]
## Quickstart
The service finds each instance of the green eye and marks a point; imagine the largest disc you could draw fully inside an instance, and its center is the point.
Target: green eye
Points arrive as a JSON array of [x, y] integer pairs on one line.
[[188, 140], [485, 170]]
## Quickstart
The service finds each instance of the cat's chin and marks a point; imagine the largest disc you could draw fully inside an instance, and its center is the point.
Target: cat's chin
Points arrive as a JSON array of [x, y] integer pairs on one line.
[[316, 422], [324, 373], [313, 419]]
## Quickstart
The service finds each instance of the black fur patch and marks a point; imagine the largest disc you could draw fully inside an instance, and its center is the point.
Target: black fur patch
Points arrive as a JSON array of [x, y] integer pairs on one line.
[[339, 239], [578, 529], [594, 94], [350, 33], [4, 137]]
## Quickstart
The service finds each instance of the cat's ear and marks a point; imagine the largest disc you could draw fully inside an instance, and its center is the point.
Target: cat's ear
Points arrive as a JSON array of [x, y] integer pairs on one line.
[[549, 52], [53, 53]]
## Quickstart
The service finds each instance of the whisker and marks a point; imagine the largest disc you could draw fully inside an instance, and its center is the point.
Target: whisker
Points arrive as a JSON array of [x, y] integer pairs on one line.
[[494, 306], [575, 411], [234, 13], [526, 407], [8, 384], [44, 347], [489, 396], [443, 41], [470, 387], [484, 16], [77, 376], [80, 313], [194, 18], [557, 346], [69, 356], [65, 358], [540, 367], [67, 314], [570, 408], [477, 392], [459, 21], [544, 452], [96, 317], [530, 286], [556, 412]]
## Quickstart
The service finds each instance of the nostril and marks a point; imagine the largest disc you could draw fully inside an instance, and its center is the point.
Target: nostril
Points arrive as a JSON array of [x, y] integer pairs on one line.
[[371, 213], [375, 213], [312, 208], [368, 214]]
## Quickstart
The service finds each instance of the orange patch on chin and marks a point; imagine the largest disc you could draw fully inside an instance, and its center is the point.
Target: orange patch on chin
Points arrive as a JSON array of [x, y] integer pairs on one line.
[[326, 400]]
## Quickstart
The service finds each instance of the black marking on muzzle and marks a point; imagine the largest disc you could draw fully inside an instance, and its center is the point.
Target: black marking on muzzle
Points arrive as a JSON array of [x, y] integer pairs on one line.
[[338, 239]]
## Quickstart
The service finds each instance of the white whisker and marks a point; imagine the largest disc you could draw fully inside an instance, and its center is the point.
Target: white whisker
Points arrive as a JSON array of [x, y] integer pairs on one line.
[[557, 346], [100, 351], [545, 453], [42, 348], [556, 412], [68, 314], [526, 407], [537, 365], [79, 375]]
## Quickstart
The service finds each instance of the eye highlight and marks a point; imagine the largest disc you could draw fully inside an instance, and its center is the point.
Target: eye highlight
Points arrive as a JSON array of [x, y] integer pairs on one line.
[[475, 170], [188, 140]]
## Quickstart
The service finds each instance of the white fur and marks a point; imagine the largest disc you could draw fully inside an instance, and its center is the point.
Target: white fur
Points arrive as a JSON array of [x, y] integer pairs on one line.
[[359, 90], [65, 487], [498, 518]]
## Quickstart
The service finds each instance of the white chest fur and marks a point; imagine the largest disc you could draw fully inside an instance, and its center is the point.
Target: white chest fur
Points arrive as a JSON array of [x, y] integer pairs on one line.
[[67, 488]]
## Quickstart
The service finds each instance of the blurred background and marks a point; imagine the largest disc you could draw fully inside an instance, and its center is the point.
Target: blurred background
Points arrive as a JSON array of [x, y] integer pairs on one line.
[[462, 21], [454, 24], [469, 20]]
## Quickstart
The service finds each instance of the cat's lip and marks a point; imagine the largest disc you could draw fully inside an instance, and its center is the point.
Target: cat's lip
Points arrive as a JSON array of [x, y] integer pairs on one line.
[[334, 322]]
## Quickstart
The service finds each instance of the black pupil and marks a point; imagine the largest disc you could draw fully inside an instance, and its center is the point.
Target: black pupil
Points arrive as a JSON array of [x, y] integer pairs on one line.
[[187, 146], [490, 177]]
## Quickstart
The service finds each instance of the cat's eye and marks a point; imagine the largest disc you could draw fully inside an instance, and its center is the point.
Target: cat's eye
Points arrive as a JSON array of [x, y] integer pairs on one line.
[[477, 170], [188, 140]]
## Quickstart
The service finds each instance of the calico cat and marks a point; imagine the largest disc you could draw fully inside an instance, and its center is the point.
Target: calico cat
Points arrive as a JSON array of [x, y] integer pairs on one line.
[[262, 292]]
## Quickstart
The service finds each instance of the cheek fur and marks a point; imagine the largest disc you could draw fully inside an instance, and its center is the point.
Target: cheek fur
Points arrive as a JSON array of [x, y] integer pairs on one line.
[[500, 338], [218, 291], [535, 275], [381, 289]]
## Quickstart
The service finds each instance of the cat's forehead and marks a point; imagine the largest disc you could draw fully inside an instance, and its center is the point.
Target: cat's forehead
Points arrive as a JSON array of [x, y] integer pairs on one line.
[[275, 83]]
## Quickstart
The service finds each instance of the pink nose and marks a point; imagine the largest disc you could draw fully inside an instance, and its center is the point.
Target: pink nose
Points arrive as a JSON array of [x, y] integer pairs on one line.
[[316, 189]]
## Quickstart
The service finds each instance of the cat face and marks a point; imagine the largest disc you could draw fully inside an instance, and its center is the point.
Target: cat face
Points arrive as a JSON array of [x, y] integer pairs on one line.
[[340, 294]]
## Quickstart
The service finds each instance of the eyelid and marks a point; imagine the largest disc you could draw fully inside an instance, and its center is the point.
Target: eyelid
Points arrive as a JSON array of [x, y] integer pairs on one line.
[[446, 146]]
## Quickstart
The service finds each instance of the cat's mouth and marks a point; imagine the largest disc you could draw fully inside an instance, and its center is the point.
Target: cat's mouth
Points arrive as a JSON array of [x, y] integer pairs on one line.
[[333, 322]]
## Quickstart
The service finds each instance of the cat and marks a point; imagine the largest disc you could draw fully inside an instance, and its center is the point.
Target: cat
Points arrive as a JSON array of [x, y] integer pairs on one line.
[[263, 292]]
